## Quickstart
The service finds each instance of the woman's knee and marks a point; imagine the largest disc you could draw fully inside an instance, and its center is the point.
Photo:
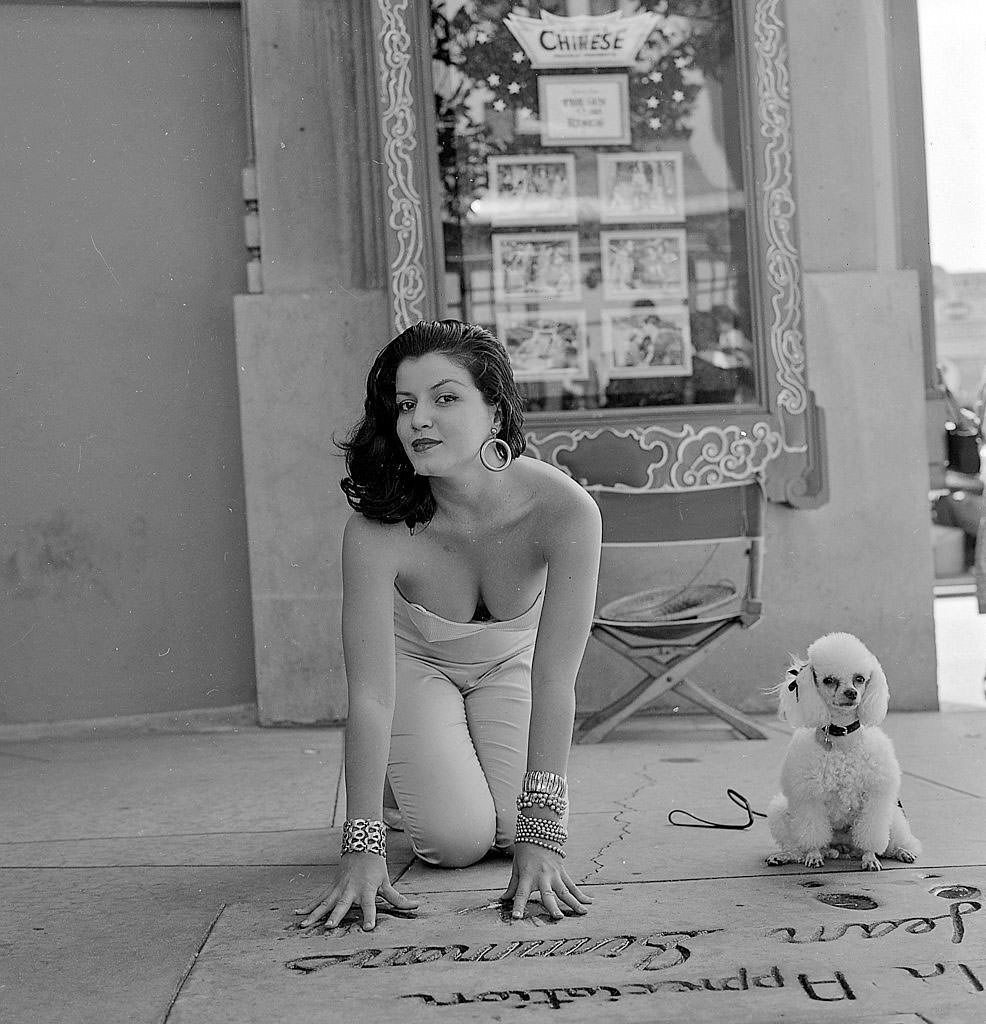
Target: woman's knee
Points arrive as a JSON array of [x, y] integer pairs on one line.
[[454, 843]]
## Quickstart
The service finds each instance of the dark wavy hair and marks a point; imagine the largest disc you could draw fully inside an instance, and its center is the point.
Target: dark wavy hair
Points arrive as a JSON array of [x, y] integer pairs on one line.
[[381, 484]]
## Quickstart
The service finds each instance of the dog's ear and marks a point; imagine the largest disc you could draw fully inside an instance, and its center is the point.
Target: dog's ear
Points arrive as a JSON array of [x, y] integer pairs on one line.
[[801, 706], [876, 698]]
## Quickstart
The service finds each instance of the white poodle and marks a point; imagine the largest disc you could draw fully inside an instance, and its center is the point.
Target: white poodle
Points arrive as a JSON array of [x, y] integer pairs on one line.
[[840, 779]]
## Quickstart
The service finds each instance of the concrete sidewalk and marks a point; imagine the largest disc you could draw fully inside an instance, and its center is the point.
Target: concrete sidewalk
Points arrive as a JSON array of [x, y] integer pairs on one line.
[[153, 878]]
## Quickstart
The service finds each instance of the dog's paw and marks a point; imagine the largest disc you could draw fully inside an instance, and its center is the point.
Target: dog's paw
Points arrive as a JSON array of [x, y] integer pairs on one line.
[[904, 856], [814, 859], [871, 862], [775, 860], [832, 853]]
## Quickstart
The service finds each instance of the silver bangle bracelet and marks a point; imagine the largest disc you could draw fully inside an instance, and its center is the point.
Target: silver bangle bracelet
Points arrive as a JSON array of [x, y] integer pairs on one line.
[[545, 782], [361, 835]]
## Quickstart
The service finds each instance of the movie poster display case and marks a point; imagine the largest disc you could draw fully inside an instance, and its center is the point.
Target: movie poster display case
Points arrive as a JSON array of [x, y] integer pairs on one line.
[[609, 188]]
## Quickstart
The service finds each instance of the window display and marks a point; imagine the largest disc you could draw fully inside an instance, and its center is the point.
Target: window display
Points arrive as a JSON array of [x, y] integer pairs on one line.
[[594, 208]]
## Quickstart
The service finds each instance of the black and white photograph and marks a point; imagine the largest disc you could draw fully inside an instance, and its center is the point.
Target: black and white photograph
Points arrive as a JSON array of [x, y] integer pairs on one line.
[[492, 511], [536, 265], [547, 345], [531, 189], [644, 264], [640, 187], [647, 341]]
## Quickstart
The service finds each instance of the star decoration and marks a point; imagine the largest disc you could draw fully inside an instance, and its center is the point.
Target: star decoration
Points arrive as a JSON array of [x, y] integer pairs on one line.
[[494, 79], [682, 62], [655, 123], [653, 102], [655, 76], [518, 57], [525, 112], [677, 95], [482, 37], [499, 105], [513, 88]]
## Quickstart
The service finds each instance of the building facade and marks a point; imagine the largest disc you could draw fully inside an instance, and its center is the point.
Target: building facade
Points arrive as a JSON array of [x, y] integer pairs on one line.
[[697, 226]]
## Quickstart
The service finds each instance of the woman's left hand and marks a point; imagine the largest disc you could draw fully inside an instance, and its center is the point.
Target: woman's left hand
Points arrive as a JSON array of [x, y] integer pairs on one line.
[[540, 869]]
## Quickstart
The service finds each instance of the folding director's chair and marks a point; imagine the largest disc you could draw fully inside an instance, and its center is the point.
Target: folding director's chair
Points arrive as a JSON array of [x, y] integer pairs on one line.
[[668, 630]]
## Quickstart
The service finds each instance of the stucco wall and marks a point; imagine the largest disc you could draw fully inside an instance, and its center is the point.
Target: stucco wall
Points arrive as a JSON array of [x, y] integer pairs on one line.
[[124, 582]]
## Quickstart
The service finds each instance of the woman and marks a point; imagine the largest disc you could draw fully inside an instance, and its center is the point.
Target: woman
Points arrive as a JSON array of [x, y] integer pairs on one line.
[[469, 578]]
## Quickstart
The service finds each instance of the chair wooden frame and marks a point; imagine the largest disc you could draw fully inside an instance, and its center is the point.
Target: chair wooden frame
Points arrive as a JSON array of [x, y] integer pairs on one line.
[[668, 648]]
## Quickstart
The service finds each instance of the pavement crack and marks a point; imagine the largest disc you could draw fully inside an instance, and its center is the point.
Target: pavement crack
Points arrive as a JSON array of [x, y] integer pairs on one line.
[[622, 820]]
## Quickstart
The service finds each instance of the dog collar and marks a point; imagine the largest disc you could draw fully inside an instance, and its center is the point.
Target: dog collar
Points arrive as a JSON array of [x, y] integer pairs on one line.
[[841, 730], [825, 733]]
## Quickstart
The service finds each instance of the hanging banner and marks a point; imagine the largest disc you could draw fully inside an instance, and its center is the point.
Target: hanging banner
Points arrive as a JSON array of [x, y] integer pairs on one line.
[[589, 41]]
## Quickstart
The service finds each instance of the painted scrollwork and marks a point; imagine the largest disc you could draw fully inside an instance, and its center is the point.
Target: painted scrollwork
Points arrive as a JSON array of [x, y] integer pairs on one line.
[[405, 218], [782, 265], [651, 457]]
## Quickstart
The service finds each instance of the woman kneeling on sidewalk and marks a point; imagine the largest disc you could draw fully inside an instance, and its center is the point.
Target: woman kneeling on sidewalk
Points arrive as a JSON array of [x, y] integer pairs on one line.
[[469, 579]]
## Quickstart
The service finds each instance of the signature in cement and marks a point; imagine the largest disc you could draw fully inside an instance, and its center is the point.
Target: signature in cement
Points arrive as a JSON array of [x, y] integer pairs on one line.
[[663, 950], [879, 929]]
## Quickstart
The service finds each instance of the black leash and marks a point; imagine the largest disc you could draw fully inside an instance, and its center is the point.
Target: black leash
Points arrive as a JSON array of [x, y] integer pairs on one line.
[[737, 799], [696, 822]]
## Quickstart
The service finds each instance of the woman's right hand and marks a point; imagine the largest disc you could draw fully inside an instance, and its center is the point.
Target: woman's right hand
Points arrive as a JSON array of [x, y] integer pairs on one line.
[[361, 876]]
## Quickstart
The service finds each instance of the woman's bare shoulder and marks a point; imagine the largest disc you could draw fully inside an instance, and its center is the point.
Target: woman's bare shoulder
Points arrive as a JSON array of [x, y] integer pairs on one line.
[[559, 497], [370, 542]]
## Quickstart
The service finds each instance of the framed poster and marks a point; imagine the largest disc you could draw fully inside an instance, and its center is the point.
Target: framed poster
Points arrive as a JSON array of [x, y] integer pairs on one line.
[[640, 187], [584, 110], [644, 264], [647, 341], [536, 265], [531, 189], [550, 344]]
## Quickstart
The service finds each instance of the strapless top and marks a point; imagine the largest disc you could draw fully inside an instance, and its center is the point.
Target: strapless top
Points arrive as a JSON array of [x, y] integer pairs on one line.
[[434, 627]]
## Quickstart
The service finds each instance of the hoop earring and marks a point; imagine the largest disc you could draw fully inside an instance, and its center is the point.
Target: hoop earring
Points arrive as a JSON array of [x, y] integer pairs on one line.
[[502, 450]]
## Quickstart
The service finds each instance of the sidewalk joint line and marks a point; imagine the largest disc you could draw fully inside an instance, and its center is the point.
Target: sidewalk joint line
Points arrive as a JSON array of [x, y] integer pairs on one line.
[[943, 785], [811, 872], [404, 870], [164, 835], [335, 802], [168, 866], [191, 963], [25, 757]]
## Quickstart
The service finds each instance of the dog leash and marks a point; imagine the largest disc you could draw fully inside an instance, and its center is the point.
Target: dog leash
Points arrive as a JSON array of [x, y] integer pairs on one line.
[[697, 822]]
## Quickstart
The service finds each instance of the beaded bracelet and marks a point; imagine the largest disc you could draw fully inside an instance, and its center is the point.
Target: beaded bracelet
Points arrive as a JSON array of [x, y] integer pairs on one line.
[[547, 846], [361, 835], [543, 843], [543, 828], [557, 804], [533, 830]]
